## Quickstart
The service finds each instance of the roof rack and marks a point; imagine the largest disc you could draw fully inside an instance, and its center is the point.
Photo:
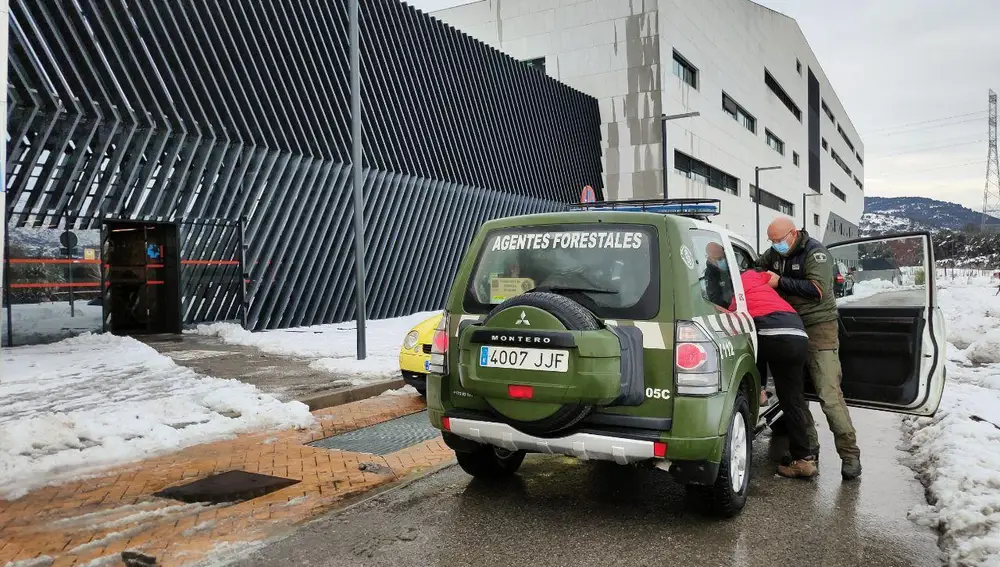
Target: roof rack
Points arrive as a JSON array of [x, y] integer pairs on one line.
[[696, 208]]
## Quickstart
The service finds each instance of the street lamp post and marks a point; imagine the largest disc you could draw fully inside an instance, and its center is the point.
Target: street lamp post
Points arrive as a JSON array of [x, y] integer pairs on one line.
[[804, 197], [663, 141], [756, 196]]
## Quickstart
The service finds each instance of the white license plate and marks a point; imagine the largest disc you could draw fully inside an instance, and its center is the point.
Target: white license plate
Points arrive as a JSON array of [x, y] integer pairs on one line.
[[545, 360]]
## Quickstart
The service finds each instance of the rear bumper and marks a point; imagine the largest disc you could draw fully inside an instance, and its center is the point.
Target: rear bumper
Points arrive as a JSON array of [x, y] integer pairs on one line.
[[416, 379], [584, 446], [415, 362]]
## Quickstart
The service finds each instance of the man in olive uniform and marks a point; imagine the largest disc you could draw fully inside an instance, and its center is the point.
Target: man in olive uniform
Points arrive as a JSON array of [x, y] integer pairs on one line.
[[802, 273]]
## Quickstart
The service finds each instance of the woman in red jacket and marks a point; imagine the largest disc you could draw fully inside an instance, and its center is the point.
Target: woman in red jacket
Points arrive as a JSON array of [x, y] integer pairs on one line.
[[782, 345]]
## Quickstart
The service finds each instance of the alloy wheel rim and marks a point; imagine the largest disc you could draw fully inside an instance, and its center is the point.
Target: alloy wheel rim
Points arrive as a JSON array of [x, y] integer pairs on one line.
[[738, 453]]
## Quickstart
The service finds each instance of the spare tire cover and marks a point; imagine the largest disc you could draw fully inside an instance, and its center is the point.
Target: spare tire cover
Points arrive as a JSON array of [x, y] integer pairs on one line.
[[532, 312]]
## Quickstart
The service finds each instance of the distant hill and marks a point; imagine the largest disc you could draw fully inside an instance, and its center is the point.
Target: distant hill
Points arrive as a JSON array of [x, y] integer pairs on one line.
[[891, 214], [957, 238]]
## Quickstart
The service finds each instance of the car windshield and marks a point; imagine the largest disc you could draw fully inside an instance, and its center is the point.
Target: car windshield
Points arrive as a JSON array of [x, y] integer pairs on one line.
[[609, 269]]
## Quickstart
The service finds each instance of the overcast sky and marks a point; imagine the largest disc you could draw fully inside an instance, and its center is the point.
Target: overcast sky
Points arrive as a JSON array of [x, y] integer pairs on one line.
[[914, 76]]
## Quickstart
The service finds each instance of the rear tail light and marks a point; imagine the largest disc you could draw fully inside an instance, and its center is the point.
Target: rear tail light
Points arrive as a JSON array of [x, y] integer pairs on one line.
[[696, 361], [691, 356], [439, 348], [659, 449], [446, 423], [840, 278], [520, 392]]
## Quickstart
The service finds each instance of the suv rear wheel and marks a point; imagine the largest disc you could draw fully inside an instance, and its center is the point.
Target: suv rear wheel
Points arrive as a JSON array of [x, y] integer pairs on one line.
[[728, 495], [490, 463]]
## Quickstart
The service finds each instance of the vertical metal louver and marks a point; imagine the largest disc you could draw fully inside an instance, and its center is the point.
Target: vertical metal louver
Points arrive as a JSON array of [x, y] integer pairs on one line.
[[204, 113]]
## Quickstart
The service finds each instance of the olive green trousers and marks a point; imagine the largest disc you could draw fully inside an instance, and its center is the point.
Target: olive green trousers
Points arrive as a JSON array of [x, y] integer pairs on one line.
[[826, 374]]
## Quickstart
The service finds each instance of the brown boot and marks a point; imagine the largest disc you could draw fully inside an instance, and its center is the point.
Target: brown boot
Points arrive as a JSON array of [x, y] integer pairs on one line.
[[802, 468]]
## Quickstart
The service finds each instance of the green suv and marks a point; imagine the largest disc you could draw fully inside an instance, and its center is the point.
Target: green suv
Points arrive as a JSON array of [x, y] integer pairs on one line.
[[606, 333]]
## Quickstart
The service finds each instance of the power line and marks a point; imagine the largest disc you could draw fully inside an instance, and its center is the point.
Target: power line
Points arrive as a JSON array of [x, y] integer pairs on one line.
[[930, 127], [978, 112], [919, 150], [949, 166]]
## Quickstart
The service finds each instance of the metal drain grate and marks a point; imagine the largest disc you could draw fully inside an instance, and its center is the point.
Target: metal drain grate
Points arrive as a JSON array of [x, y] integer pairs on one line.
[[232, 486], [383, 438]]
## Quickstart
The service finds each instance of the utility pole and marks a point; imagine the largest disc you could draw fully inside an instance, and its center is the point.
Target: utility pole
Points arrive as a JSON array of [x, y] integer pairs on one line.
[[663, 142], [357, 171], [3, 162], [756, 196], [991, 195], [804, 197]]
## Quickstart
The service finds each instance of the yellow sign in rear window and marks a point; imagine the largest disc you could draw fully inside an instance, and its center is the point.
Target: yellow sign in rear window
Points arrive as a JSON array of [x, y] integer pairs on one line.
[[502, 289]]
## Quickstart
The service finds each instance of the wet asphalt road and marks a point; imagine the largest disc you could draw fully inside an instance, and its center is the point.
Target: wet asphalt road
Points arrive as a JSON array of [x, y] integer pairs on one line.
[[559, 511]]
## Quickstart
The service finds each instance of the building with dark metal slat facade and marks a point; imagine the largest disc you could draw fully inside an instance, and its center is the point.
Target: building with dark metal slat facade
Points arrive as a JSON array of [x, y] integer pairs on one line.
[[190, 161]]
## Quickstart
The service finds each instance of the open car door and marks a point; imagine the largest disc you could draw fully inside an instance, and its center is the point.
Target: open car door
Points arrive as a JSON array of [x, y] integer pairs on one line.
[[892, 332]]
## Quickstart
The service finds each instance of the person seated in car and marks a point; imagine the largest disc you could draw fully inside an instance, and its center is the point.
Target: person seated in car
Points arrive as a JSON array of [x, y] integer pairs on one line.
[[782, 346], [718, 282]]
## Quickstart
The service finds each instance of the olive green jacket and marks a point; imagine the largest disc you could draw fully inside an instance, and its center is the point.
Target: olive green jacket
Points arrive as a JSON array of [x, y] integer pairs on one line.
[[806, 278]]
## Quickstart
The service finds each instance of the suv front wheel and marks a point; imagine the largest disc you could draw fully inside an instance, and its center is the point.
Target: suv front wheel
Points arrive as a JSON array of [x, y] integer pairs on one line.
[[728, 495], [490, 463]]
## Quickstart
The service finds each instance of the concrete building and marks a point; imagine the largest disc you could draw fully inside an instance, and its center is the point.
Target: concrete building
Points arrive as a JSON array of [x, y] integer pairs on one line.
[[762, 96]]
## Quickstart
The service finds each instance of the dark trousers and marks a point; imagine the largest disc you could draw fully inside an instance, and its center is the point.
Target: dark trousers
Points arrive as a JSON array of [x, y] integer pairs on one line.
[[786, 356]]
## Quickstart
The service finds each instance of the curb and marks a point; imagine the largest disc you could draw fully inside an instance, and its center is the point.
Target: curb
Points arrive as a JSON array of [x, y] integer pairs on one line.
[[354, 394], [358, 500]]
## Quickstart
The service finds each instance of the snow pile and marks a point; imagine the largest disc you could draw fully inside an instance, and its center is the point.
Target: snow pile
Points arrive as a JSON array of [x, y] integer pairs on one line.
[[334, 347], [956, 452], [87, 403], [406, 390]]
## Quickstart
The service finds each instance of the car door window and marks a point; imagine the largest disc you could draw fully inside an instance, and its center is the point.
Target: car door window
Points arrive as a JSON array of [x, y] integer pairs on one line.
[[712, 264], [744, 259], [891, 271]]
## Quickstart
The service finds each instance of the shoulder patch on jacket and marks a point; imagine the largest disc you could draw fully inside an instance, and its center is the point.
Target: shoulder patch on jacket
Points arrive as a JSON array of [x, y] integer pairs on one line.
[[820, 257]]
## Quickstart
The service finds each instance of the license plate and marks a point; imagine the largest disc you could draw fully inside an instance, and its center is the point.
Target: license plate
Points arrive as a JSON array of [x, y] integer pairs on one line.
[[545, 360]]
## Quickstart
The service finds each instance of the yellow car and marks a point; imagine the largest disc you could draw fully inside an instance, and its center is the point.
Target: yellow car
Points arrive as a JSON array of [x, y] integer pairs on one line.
[[415, 355]]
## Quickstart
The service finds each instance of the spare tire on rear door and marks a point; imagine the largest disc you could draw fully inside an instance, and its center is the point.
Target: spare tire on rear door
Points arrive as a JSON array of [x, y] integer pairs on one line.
[[543, 363]]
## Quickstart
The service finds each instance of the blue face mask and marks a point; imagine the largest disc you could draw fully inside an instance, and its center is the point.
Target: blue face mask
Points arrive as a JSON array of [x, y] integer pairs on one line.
[[781, 247], [722, 264]]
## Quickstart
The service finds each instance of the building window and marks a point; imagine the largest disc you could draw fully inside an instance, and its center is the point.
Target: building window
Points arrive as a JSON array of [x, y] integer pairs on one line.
[[828, 112], [774, 142], [858, 155], [537, 63], [701, 171], [843, 135], [685, 70], [798, 67], [858, 183], [782, 95], [738, 113], [825, 145], [772, 201], [815, 219], [840, 194], [840, 162], [795, 158]]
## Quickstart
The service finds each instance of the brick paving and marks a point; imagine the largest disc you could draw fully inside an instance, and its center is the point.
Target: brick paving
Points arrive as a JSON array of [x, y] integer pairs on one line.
[[91, 522]]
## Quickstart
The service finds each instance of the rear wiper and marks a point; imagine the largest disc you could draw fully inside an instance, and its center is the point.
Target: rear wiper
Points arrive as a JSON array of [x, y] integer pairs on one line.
[[573, 290]]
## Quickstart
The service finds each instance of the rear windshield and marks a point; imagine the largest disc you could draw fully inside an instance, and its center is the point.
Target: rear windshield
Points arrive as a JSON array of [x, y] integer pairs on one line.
[[610, 269]]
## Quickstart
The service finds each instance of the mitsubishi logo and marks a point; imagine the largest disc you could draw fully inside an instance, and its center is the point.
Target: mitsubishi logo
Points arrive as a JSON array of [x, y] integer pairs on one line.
[[523, 320]]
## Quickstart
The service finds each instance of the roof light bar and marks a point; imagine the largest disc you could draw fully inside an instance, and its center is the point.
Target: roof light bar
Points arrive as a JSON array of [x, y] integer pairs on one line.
[[697, 208]]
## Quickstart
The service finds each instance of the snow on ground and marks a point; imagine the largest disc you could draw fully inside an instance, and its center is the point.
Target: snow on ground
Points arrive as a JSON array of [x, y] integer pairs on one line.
[[91, 402], [334, 347], [47, 322], [957, 452]]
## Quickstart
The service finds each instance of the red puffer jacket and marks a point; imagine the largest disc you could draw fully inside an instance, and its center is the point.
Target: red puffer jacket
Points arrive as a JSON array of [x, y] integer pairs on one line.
[[762, 299]]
